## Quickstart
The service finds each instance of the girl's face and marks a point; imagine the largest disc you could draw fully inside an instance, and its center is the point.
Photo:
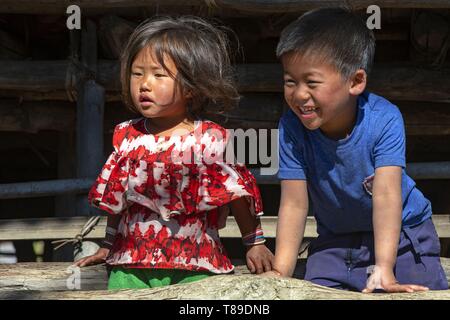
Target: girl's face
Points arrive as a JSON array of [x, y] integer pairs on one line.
[[153, 90]]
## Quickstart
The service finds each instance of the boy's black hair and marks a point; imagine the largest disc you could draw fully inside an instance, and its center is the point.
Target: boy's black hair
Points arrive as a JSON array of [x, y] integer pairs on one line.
[[335, 35]]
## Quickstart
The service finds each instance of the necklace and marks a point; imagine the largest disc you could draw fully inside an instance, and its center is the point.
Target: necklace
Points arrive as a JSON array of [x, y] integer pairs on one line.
[[145, 126], [148, 131]]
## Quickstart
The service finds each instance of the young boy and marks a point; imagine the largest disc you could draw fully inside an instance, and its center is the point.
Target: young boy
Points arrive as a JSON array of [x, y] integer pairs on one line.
[[344, 149]]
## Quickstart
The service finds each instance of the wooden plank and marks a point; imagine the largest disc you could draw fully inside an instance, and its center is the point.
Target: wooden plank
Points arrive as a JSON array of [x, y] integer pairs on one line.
[[59, 6], [254, 6], [395, 82], [61, 228], [49, 281], [256, 110], [53, 276], [284, 6]]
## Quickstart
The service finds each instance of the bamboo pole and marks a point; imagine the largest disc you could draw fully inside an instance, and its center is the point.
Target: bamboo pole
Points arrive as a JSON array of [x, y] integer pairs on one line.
[[48, 188], [417, 171]]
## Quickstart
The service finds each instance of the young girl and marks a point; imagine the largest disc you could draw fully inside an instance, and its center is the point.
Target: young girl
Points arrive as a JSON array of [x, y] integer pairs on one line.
[[166, 184]]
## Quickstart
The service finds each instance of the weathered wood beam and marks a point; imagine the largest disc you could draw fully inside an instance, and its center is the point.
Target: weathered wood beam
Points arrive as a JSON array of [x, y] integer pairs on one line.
[[51, 281], [395, 82], [283, 6], [252, 6], [22, 278], [416, 170], [36, 116], [52, 276], [11, 47], [258, 111], [69, 227], [47, 188]]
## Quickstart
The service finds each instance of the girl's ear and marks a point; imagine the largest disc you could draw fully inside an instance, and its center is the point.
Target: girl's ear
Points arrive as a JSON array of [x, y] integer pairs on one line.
[[188, 95], [358, 82]]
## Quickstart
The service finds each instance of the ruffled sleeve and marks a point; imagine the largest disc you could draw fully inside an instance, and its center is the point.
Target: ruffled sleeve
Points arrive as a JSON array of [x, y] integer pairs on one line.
[[109, 190], [224, 183], [143, 173]]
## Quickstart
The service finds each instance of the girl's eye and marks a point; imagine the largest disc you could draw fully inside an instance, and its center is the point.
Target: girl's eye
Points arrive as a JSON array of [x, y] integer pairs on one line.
[[136, 74], [160, 75]]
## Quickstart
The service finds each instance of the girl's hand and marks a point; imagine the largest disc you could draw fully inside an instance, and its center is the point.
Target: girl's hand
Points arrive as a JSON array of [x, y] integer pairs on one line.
[[98, 258], [272, 274], [384, 279], [259, 259]]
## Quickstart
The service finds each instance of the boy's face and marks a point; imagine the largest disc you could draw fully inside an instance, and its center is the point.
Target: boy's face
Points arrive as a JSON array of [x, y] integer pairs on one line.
[[318, 95]]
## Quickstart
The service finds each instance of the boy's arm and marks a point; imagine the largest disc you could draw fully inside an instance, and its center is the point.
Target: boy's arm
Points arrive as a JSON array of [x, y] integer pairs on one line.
[[291, 225], [387, 221]]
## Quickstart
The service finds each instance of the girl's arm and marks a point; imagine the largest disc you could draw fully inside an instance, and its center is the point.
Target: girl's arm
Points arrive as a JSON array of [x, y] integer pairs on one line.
[[101, 254], [387, 221], [258, 257], [112, 224], [246, 222], [291, 225]]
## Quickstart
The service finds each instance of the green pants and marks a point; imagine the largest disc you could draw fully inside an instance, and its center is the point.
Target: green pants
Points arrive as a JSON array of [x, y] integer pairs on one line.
[[133, 278]]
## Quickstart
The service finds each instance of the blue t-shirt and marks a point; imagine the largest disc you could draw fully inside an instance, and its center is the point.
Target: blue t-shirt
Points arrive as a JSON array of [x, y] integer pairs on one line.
[[339, 173]]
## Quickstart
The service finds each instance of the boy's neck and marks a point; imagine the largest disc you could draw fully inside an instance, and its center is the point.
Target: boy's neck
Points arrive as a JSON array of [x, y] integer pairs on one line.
[[342, 126]]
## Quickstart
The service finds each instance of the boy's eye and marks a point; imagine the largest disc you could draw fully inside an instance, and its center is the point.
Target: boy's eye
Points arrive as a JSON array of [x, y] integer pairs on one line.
[[289, 82], [312, 83]]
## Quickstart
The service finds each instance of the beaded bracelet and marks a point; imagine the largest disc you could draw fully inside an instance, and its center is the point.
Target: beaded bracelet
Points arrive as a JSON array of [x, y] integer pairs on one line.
[[106, 244], [111, 231], [256, 237]]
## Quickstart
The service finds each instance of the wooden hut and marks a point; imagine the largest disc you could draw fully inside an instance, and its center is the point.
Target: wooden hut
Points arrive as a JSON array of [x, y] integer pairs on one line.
[[60, 100]]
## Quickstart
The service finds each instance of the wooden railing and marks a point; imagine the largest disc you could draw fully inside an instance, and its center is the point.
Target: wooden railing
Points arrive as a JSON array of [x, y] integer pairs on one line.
[[61, 228]]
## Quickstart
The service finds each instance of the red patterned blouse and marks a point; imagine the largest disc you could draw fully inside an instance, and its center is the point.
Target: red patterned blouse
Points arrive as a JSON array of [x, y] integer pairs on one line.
[[168, 191]]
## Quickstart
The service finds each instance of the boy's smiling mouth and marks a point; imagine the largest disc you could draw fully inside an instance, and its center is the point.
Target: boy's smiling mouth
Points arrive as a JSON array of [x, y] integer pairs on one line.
[[307, 110]]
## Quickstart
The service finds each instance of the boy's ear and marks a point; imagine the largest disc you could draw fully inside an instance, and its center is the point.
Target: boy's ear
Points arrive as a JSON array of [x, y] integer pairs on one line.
[[358, 82]]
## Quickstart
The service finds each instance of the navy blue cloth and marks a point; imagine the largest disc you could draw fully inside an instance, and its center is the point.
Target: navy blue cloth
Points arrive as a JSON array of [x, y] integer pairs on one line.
[[339, 173], [341, 261]]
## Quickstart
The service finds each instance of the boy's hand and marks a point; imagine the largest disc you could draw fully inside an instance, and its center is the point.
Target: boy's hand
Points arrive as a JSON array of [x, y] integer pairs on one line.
[[384, 279], [98, 258], [259, 259]]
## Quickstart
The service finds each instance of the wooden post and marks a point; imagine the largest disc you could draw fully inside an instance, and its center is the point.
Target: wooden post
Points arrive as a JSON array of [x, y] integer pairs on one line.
[[65, 204], [90, 111]]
